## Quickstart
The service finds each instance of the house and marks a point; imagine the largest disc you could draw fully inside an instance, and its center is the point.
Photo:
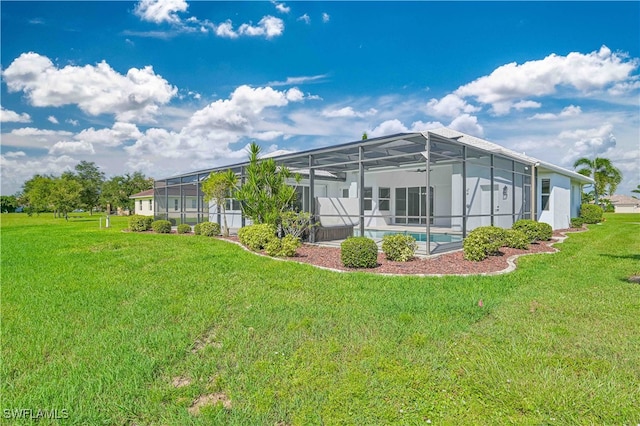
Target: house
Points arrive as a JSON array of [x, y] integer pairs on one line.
[[143, 202], [624, 203], [376, 186]]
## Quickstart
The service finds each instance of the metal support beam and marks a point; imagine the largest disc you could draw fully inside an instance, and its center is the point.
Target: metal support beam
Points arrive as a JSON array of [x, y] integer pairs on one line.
[[242, 180], [464, 191], [361, 188], [312, 199], [493, 195], [428, 194]]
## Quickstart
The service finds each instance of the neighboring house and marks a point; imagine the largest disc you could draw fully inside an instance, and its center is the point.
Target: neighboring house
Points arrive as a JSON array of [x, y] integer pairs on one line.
[[624, 203], [143, 202], [380, 184]]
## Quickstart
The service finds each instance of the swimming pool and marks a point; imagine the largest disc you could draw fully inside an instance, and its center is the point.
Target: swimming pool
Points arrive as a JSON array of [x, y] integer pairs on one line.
[[419, 236]]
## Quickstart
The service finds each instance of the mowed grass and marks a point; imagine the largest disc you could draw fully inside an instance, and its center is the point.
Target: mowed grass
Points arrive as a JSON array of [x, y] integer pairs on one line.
[[125, 328]]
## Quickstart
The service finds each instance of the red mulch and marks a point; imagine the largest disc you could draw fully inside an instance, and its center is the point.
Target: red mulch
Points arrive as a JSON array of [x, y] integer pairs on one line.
[[448, 263]]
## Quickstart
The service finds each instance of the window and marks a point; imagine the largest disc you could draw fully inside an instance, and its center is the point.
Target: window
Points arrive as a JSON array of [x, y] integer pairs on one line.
[[150, 204], [368, 195], [546, 193], [140, 205], [193, 203], [411, 205], [401, 205], [231, 204], [345, 193], [384, 198], [175, 204]]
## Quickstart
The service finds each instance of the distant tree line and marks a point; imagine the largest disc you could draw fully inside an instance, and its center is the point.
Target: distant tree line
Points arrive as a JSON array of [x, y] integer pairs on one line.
[[83, 188]]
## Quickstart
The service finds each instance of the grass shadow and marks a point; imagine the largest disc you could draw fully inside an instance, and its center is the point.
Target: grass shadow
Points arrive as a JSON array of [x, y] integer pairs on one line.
[[626, 256]]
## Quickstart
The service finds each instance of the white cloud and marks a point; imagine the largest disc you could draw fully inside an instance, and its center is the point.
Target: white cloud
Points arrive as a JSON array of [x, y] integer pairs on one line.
[[269, 26], [8, 116], [52, 119], [348, 112], [95, 89], [72, 122], [15, 154], [116, 136], [526, 105], [159, 11], [569, 111], [325, 17], [466, 123], [226, 30], [297, 80], [32, 131], [305, 18], [16, 170], [71, 147], [281, 7], [450, 106], [588, 142], [585, 73]]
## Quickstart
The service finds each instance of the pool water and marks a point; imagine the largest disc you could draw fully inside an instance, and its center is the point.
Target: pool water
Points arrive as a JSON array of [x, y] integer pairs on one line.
[[419, 236]]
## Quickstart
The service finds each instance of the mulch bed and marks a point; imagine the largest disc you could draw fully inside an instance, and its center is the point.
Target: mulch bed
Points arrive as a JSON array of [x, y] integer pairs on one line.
[[444, 264]]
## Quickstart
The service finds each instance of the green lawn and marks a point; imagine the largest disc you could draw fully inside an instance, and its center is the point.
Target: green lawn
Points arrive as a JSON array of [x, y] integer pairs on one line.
[[104, 324]]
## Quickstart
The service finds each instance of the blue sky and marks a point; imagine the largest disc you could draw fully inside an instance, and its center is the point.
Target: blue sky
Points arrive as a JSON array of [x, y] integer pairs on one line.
[[167, 87]]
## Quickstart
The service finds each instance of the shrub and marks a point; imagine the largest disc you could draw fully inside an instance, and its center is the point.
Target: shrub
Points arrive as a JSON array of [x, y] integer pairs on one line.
[[197, 228], [294, 223], [516, 239], [139, 223], [590, 213], [529, 227], [359, 252], [209, 229], [544, 231], [576, 222], [482, 242], [184, 229], [161, 226], [256, 237], [285, 247], [399, 247]]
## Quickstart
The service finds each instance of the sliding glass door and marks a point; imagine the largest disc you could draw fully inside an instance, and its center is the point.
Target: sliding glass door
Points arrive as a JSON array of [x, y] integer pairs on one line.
[[411, 205]]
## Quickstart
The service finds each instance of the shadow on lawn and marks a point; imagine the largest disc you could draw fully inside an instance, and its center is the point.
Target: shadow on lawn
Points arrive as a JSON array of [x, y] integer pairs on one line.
[[626, 256]]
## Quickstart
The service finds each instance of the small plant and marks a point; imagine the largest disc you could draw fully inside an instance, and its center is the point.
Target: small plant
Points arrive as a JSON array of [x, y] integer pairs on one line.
[[577, 222], [197, 228], [399, 247], [161, 227], [209, 229], [529, 227], [482, 242], [544, 231], [139, 223], [516, 239], [184, 228], [256, 237], [590, 213], [359, 252], [294, 223], [285, 247]]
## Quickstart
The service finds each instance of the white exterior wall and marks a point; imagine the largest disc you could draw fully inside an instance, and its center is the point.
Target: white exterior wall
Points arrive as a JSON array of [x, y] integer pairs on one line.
[[145, 209], [559, 213]]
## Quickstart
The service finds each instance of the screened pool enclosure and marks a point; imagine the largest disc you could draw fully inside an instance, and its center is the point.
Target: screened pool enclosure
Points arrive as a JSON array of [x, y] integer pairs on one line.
[[436, 185]]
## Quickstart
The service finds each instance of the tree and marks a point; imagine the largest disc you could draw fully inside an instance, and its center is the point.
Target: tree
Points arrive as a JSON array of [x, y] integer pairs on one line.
[[636, 191], [218, 187], [36, 194], [365, 136], [601, 170], [8, 203], [66, 194], [265, 193], [91, 179], [117, 190]]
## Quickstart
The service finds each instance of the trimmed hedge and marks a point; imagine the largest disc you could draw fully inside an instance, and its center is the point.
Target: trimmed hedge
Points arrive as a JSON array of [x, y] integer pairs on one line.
[[482, 242], [256, 237], [398, 247], [139, 223], [577, 222], [161, 226], [359, 252], [535, 231], [209, 229], [590, 213], [285, 247], [545, 232], [516, 239], [184, 229]]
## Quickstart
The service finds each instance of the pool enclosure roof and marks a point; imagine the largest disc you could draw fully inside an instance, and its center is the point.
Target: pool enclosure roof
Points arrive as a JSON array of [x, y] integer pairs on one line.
[[389, 152]]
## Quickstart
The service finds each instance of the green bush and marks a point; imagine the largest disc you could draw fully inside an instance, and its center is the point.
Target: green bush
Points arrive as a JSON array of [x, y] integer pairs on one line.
[[161, 226], [516, 239], [209, 229], [197, 228], [184, 229], [590, 213], [139, 223], [256, 237], [577, 222], [359, 252], [399, 247], [529, 227], [482, 242], [545, 232], [285, 247]]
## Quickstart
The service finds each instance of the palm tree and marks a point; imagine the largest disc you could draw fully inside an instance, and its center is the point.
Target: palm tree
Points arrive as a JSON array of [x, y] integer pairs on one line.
[[636, 191], [601, 170]]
